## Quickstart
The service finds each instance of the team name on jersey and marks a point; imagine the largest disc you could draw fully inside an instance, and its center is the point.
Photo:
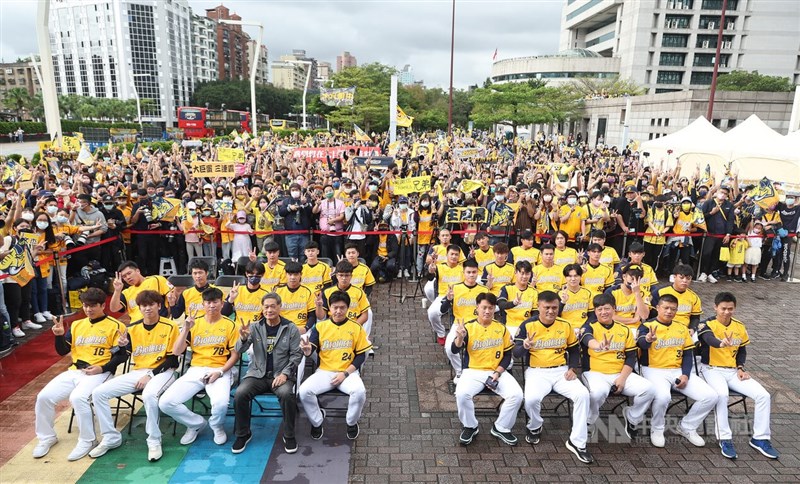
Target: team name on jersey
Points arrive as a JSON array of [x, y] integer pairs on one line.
[[196, 306], [337, 344], [594, 280], [578, 306], [454, 278], [292, 306], [548, 279], [669, 343], [208, 340], [550, 343], [487, 343], [626, 308], [684, 308], [247, 307], [90, 340], [149, 350], [465, 301]]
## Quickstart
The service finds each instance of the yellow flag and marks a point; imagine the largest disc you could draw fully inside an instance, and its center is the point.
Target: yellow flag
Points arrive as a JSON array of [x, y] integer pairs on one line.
[[234, 134], [394, 147], [361, 135], [403, 119], [764, 194], [245, 135], [467, 186]]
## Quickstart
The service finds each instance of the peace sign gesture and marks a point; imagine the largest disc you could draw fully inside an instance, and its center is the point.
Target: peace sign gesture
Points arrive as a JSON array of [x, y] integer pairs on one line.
[[244, 330], [605, 344], [305, 345], [651, 334], [518, 299], [527, 343], [234, 292], [450, 293], [252, 256], [727, 340], [461, 330], [117, 283], [58, 326], [123, 337], [190, 317]]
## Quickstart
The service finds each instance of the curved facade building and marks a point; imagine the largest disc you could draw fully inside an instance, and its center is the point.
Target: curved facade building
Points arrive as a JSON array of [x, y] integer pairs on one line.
[[556, 69]]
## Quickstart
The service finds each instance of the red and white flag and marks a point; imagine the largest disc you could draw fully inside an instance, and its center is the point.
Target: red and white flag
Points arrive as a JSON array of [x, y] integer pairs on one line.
[[494, 57]]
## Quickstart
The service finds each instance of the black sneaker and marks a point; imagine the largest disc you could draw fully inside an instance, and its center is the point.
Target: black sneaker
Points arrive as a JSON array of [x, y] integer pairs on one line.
[[316, 432], [583, 454], [506, 437], [775, 275], [729, 278], [352, 431], [240, 443], [764, 276], [467, 434], [630, 429], [289, 445], [533, 436]]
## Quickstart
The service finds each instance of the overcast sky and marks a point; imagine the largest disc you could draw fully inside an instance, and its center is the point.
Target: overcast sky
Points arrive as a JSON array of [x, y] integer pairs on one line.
[[415, 32]]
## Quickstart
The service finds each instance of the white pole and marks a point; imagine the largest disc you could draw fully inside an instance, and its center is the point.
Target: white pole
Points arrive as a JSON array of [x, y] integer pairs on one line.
[[49, 94], [794, 120], [253, 68], [625, 128], [305, 91], [393, 110]]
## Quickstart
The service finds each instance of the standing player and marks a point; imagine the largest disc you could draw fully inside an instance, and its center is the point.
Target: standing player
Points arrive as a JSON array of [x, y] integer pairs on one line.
[[316, 274], [359, 304], [461, 297], [547, 276], [526, 251], [518, 301], [629, 296], [243, 304], [636, 255], [191, 299], [689, 305], [298, 303], [274, 272], [444, 276], [723, 354], [498, 273], [124, 300], [575, 301], [486, 345], [596, 275]]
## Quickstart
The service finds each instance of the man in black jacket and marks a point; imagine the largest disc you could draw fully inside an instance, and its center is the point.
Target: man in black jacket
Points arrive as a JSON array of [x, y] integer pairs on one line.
[[111, 252], [720, 219], [384, 266], [296, 212]]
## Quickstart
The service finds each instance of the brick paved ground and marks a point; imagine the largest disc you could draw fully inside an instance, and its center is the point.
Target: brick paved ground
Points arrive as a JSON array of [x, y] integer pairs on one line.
[[409, 430]]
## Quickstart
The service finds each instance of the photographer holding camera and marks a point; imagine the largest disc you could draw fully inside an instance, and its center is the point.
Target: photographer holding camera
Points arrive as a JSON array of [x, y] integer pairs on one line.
[[87, 215], [630, 217], [111, 253]]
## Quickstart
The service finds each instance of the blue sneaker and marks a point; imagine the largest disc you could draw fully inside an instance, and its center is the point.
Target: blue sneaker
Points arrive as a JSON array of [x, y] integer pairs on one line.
[[728, 450], [765, 447]]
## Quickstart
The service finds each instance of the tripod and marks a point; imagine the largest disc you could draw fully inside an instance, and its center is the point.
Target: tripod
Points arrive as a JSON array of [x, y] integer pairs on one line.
[[404, 243]]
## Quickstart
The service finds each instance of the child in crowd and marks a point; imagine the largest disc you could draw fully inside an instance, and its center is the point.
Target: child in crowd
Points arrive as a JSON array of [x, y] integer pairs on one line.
[[752, 256], [737, 248]]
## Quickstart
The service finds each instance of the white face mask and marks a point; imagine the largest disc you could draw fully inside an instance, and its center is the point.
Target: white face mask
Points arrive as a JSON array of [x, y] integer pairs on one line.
[[62, 219], [28, 216], [42, 225], [52, 210], [571, 201], [500, 198], [790, 201], [721, 196], [295, 194], [403, 206], [547, 198], [425, 204]]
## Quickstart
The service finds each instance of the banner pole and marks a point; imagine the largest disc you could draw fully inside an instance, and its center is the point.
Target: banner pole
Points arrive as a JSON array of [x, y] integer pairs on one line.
[[700, 258], [792, 261]]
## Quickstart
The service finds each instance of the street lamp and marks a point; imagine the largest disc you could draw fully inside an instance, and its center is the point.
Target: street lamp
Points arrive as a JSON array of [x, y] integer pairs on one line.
[[322, 81], [305, 86], [138, 101], [253, 66]]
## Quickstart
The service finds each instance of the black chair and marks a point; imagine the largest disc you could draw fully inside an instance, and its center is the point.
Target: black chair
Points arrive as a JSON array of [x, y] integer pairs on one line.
[[212, 265], [326, 260], [227, 281], [327, 399], [286, 260], [241, 264], [181, 281]]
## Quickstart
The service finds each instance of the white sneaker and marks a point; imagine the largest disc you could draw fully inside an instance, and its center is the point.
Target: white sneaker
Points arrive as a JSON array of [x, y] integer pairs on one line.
[[691, 435], [104, 447], [657, 438], [220, 437], [703, 277], [712, 279], [81, 450], [17, 332], [31, 325], [154, 452], [48, 315], [42, 448], [39, 317], [191, 434]]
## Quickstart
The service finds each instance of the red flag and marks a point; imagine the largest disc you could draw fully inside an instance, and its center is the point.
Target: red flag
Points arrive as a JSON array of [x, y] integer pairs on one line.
[[494, 57]]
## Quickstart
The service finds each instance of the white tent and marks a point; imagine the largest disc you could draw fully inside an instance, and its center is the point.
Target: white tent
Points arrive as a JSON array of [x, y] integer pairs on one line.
[[690, 142], [756, 150]]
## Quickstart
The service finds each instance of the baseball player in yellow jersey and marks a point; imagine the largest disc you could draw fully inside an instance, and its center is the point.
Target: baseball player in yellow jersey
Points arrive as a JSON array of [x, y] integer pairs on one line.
[[316, 274], [563, 255], [439, 252], [483, 254], [486, 346], [274, 272], [243, 304], [498, 273], [596, 276], [525, 251], [608, 254], [667, 360], [124, 299], [362, 278], [689, 306], [461, 298], [211, 339], [444, 275], [547, 276], [342, 346], [552, 350], [636, 257], [575, 302], [359, 304], [298, 303], [723, 355], [609, 358], [518, 301], [149, 341], [191, 299], [94, 345], [631, 306]]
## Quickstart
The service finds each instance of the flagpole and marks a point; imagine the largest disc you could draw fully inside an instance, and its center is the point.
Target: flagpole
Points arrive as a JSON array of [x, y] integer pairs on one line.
[[452, 48], [393, 110]]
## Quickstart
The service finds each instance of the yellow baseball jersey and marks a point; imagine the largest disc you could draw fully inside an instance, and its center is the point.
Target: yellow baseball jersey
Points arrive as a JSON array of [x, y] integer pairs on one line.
[[737, 249], [648, 279], [667, 350], [92, 341], [296, 303], [565, 256], [592, 212], [150, 283], [625, 304], [425, 226], [515, 316], [193, 300], [274, 275], [464, 305], [212, 343], [609, 257], [447, 276], [532, 255], [247, 305], [573, 224], [597, 279], [578, 306], [441, 253], [358, 301], [338, 344], [362, 276], [502, 276], [383, 246], [149, 347], [688, 303], [485, 345], [484, 258], [316, 277], [549, 278], [550, 343], [725, 357], [661, 220], [622, 340]]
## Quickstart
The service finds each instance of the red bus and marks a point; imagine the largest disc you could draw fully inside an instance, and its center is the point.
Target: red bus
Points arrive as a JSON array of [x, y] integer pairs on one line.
[[193, 122], [205, 123]]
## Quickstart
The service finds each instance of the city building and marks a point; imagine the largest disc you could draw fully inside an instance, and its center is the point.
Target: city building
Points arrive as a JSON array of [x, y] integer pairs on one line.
[[557, 69], [231, 45], [124, 49], [262, 63], [204, 49], [300, 55], [670, 45], [288, 74], [324, 72], [406, 76], [19, 74], [344, 61]]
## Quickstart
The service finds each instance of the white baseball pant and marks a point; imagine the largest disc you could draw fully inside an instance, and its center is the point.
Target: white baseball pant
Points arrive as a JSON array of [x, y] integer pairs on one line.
[[663, 380], [123, 385], [599, 385], [722, 379], [368, 323], [320, 382], [472, 382], [539, 382], [455, 358], [430, 290], [187, 386], [76, 385], [435, 317]]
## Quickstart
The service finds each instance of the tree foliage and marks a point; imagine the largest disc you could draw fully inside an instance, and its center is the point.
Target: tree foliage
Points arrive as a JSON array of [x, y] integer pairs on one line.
[[17, 99], [270, 100], [370, 109], [589, 88], [753, 81]]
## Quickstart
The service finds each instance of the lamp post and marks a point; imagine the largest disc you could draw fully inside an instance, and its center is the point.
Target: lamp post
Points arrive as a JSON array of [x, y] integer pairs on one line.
[[48, 81], [305, 86], [138, 101], [253, 66]]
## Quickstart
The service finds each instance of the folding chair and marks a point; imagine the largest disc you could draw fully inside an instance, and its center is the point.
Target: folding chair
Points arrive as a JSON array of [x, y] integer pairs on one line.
[[181, 281], [227, 281], [212, 265]]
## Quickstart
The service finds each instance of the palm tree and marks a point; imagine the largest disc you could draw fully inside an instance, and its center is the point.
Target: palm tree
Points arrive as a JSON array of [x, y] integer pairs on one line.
[[17, 99]]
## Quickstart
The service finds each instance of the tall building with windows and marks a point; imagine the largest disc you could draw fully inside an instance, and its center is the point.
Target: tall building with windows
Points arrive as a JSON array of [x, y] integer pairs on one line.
[[231, 45], [124, 49], [204, 49], [406, 75], [669, 45], [324, 72], [344, 61], [262, 62], [288, 74]]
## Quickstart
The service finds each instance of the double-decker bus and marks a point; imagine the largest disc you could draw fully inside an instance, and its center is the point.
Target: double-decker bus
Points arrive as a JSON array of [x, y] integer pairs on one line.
[[193, 122], [205, 123]]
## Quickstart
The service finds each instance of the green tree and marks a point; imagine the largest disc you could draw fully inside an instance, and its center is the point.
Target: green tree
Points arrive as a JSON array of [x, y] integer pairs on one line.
[[17, 99], [611, 87], [753, 81], [37, 106], [370, 108], [68, 105]]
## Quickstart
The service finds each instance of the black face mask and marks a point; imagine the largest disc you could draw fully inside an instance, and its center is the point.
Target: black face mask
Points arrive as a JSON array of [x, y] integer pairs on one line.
[[702, 193], [659, 204]]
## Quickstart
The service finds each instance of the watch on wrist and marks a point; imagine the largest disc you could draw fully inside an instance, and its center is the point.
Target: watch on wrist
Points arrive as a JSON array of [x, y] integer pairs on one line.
[[221, 372], [346, 373]]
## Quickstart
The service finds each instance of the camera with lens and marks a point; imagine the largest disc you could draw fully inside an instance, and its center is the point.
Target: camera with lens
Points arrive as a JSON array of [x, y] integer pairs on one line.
[[80, 239], [171, 237], [68, 242]]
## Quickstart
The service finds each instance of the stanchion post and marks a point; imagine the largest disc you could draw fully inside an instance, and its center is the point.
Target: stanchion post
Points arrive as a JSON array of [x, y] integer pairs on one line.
[[624, 244], [65, 304], [700, 256], [792, 261]]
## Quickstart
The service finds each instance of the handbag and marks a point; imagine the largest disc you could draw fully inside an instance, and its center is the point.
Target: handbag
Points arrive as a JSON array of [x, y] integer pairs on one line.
[[724, 254]]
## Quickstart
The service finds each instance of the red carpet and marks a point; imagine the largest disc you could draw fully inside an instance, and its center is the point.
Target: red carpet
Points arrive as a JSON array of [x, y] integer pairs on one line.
[[27, 362]]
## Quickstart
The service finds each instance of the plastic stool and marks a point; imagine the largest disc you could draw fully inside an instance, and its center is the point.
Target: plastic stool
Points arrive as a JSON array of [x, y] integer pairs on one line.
[[167, 267]]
